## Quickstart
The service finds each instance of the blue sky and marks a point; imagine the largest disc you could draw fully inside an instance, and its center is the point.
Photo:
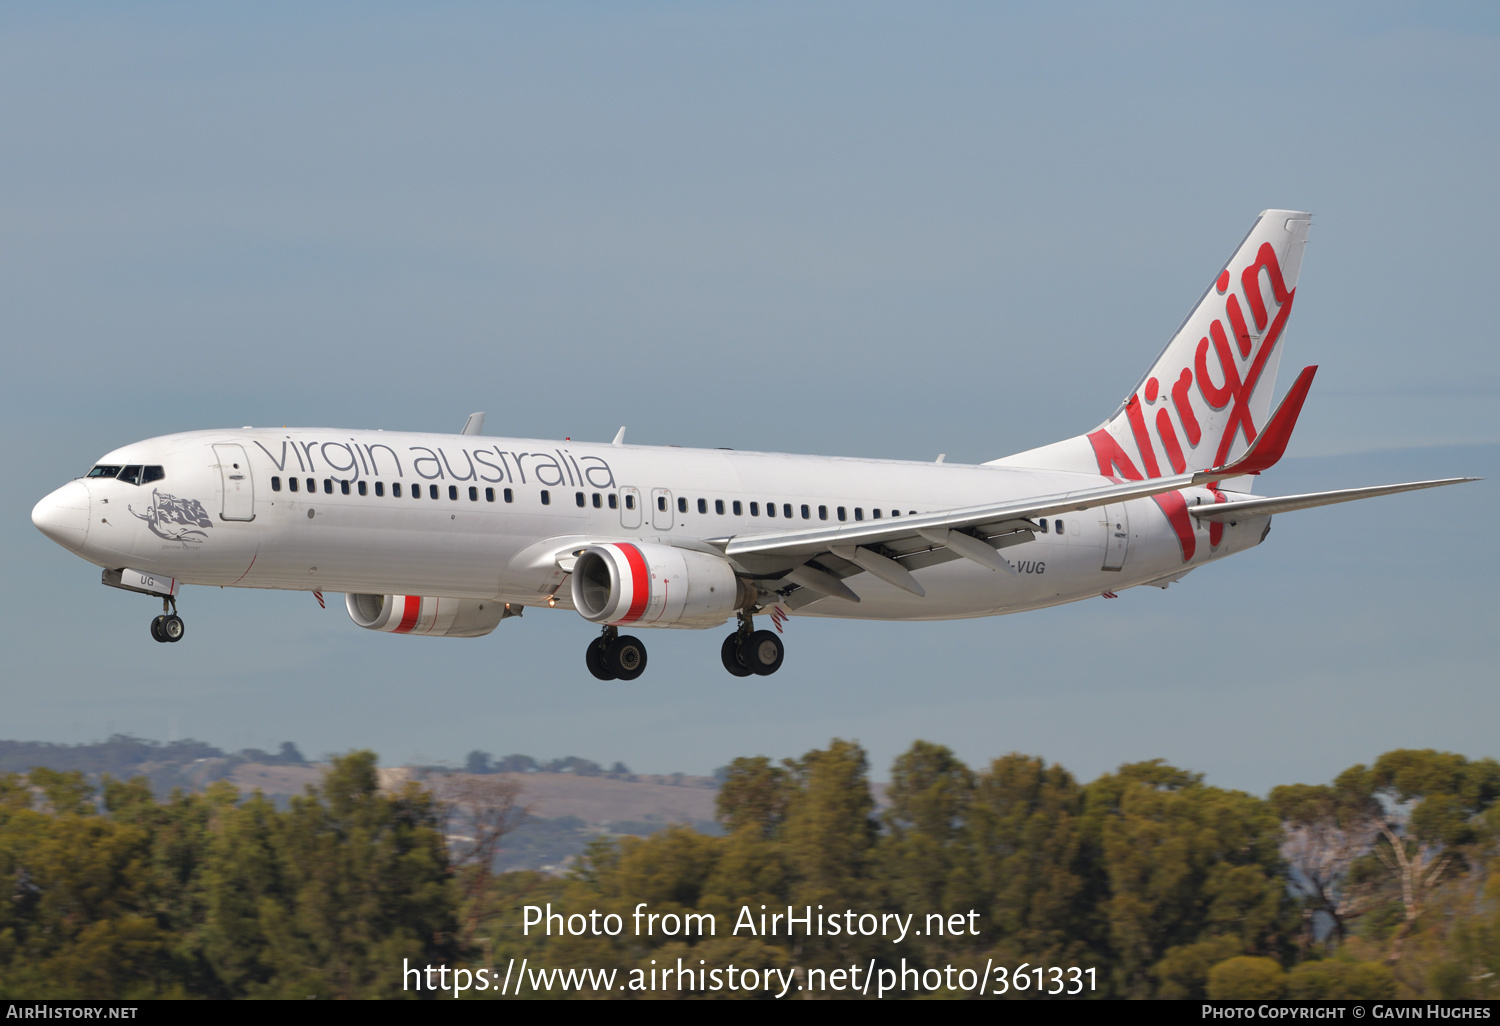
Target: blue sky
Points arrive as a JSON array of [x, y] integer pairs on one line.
[[845, 228]]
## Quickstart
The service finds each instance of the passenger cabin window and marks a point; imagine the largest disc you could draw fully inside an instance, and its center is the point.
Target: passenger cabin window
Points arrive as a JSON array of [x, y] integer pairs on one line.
[[473, 493], [786, 510], [579, 500], [859, 513], [328, 486], [875, 514], [843, 514], [396, 489], [597, 501], [806, 512], [614, 501], [770, 509], [453, 492], [312, 485], [432, 491], [380, 489], [681, 505], [291, 483], [738, 509], [275, 484], [719, 506], [364, 489], [153, 474], [702, 505], [822, 512], [546, 497], [509, 495], [344, 487], [1058, 525], [489, 495], [1043, 525], [630, 502], [661, 503], [103, 471]]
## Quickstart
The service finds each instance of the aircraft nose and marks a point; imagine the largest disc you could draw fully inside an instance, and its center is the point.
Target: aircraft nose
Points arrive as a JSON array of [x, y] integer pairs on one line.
[[63, 516]]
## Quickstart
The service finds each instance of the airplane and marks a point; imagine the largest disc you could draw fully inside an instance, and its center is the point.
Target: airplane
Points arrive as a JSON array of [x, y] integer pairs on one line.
[[448, 535]]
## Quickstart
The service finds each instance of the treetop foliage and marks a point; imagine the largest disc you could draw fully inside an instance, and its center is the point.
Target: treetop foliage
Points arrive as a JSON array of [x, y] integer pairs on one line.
[[1382, 883]]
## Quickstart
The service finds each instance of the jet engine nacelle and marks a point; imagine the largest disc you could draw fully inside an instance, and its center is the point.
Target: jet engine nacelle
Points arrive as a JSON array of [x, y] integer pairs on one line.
[[425, 614], [644, 585]]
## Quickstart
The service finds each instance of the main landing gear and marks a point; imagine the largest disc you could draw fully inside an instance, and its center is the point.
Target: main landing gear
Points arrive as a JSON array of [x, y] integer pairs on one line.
[[748, 650], [613, 656], [168, 626]]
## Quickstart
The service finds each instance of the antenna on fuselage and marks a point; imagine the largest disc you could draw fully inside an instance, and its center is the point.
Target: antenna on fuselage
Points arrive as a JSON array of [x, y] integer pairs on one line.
[[473, 425], [619, 436]]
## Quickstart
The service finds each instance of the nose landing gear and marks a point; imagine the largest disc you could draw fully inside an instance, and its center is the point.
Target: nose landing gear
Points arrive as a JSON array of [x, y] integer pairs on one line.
[[168, 627], [613, 656], [749, 651]]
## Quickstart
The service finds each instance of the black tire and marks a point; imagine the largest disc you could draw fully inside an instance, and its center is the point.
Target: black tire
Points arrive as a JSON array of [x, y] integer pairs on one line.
[[763, 653], [172, 628], [156, 627], [598, 662], [626, 657], [730, 653]]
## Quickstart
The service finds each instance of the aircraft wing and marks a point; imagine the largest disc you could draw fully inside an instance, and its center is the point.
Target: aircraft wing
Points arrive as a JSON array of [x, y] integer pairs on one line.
[[1002, 517], [969, 531], [1227, 511]]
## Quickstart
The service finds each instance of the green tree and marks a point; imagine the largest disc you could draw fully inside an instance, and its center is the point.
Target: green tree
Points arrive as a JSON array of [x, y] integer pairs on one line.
[[1251, 978], [753, 797], [66, 794], [922, 850], [366, 876], [829, 830], [1329, 828], [1029, 869], [1184, 864], [1335, 979], [1430, 829]]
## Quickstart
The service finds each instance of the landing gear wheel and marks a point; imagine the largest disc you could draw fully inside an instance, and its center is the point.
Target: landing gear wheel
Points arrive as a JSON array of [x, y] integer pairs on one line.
[[730, 653], [626, 657], [763, 653], [598, 660], [172, 628], [156, 627]]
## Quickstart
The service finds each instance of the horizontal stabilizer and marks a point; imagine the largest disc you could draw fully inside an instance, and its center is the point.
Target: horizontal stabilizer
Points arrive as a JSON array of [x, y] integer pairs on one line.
[[1225, 512]]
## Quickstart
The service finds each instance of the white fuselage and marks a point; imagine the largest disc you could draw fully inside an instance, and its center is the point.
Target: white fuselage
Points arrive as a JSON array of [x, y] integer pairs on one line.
[[209, 520]]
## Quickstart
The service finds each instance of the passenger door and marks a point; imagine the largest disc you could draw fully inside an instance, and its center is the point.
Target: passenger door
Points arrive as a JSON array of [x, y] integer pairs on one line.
[[1116, 526], [239, 489]]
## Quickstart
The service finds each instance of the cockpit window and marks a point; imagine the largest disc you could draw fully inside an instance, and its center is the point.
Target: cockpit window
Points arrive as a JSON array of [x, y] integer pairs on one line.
[[102, 471], [153, 474], [131, 473]]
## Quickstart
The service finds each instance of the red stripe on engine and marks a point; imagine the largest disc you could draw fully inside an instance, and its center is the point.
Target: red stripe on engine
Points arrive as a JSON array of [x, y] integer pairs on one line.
[[409, 614], [640, 582]]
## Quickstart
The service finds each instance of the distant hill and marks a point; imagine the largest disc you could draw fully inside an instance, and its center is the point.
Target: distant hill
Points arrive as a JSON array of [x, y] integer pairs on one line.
[[572, 799], [188, 764]]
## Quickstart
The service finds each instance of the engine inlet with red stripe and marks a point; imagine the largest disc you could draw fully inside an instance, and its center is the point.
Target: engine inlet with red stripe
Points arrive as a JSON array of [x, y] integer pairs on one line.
[[646, 584], [427, 615]]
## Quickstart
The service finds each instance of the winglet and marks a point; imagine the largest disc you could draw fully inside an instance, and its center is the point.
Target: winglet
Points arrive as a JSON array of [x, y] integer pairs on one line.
[[473, 425], [1270, 445]]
